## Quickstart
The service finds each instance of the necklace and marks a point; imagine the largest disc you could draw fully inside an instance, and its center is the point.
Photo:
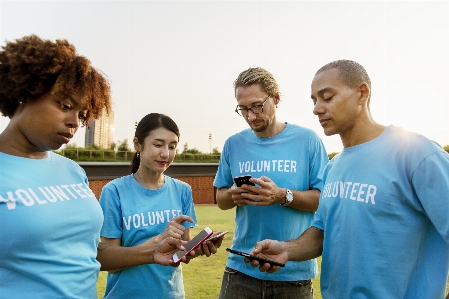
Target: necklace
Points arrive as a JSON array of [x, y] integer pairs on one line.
[[149, 185], [137, 177]]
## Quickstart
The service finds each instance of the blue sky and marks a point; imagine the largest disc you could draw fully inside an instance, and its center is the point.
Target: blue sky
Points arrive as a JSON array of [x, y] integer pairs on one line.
[[181, 57]]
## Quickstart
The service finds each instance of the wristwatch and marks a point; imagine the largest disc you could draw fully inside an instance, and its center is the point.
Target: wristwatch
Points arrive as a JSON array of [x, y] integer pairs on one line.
[[288, 198]]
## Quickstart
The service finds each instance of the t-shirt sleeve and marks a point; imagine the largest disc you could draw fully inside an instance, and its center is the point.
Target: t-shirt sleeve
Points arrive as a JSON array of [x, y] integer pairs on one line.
[[188, 207], [223, 178], [110, 204], [431, 183], [318, 219], [318, 160]]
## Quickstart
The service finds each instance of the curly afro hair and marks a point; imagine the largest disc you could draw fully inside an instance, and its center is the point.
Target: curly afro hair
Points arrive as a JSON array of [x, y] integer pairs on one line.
[[32, 67]]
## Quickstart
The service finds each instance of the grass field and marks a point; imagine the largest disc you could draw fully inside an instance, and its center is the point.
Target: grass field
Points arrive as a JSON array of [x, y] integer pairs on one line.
[[202, 276]]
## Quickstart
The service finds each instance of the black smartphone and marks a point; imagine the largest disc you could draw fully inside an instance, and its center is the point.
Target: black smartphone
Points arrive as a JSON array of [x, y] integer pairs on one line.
[[253, 257], [192, 244], [240, 180]]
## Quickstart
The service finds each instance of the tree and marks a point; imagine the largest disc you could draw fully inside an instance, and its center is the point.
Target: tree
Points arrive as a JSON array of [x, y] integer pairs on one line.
[[113, 146], [123, 146], [192, 151], [188, 150], [92, 147], [71, 146], [331, 155]]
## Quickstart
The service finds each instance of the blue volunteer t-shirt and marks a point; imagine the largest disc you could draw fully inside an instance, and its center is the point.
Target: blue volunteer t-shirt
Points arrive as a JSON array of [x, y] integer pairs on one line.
[[135, 214], [384, 210], [49, 229], [293, 159]]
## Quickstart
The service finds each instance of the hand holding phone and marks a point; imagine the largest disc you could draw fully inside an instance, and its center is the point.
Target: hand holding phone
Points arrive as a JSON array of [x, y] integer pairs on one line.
[[240, 180], [257, 258], [192, 244]]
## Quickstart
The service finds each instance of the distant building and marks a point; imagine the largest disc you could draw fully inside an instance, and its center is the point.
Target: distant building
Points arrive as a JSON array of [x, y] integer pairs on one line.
[[101, 131]]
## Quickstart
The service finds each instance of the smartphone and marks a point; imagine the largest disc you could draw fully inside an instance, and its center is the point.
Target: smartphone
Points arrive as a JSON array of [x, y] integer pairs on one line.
[[216, 236], [253, 257], [240, 180], [192, 244]]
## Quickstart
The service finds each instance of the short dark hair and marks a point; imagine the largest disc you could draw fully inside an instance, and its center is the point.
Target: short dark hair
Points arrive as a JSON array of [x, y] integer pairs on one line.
[[31, 67], [350, 72], [147, 124]]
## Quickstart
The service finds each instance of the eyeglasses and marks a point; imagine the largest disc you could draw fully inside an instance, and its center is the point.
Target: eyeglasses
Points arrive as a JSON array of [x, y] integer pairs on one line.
[[256, 109]]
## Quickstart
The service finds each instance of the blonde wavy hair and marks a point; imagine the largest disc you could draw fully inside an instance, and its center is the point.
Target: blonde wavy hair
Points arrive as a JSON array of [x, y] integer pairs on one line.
[[259, 76]]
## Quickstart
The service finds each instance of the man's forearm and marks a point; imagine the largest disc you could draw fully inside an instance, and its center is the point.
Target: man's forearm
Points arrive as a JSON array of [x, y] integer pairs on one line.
[[308, 246], [306, 201], [224, 199], [118, 257]]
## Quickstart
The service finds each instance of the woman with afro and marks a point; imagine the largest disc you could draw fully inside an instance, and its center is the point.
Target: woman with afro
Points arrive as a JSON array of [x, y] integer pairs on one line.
[[49, 218]]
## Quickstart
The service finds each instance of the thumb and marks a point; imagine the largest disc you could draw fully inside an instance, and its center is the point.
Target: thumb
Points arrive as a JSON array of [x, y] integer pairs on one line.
[[258, 248], [262, 246], [182, 218], [178, 243]]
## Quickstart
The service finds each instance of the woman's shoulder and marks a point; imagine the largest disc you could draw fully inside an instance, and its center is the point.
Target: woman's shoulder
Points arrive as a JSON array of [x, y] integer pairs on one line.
[[177, 183], [121, 182], [64, 162]]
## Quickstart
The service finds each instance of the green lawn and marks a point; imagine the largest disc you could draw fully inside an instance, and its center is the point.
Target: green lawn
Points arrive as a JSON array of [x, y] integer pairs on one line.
[[202, 276]]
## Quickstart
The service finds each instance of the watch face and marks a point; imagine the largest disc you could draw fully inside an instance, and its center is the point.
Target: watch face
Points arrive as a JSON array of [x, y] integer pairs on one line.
[[289, 195]]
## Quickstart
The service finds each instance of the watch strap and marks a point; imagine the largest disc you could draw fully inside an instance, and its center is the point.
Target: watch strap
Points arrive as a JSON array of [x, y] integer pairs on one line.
[[288, 198]]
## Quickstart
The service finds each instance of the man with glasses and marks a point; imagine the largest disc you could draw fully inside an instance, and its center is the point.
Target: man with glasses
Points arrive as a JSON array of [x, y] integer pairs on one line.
[[286, 162]]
